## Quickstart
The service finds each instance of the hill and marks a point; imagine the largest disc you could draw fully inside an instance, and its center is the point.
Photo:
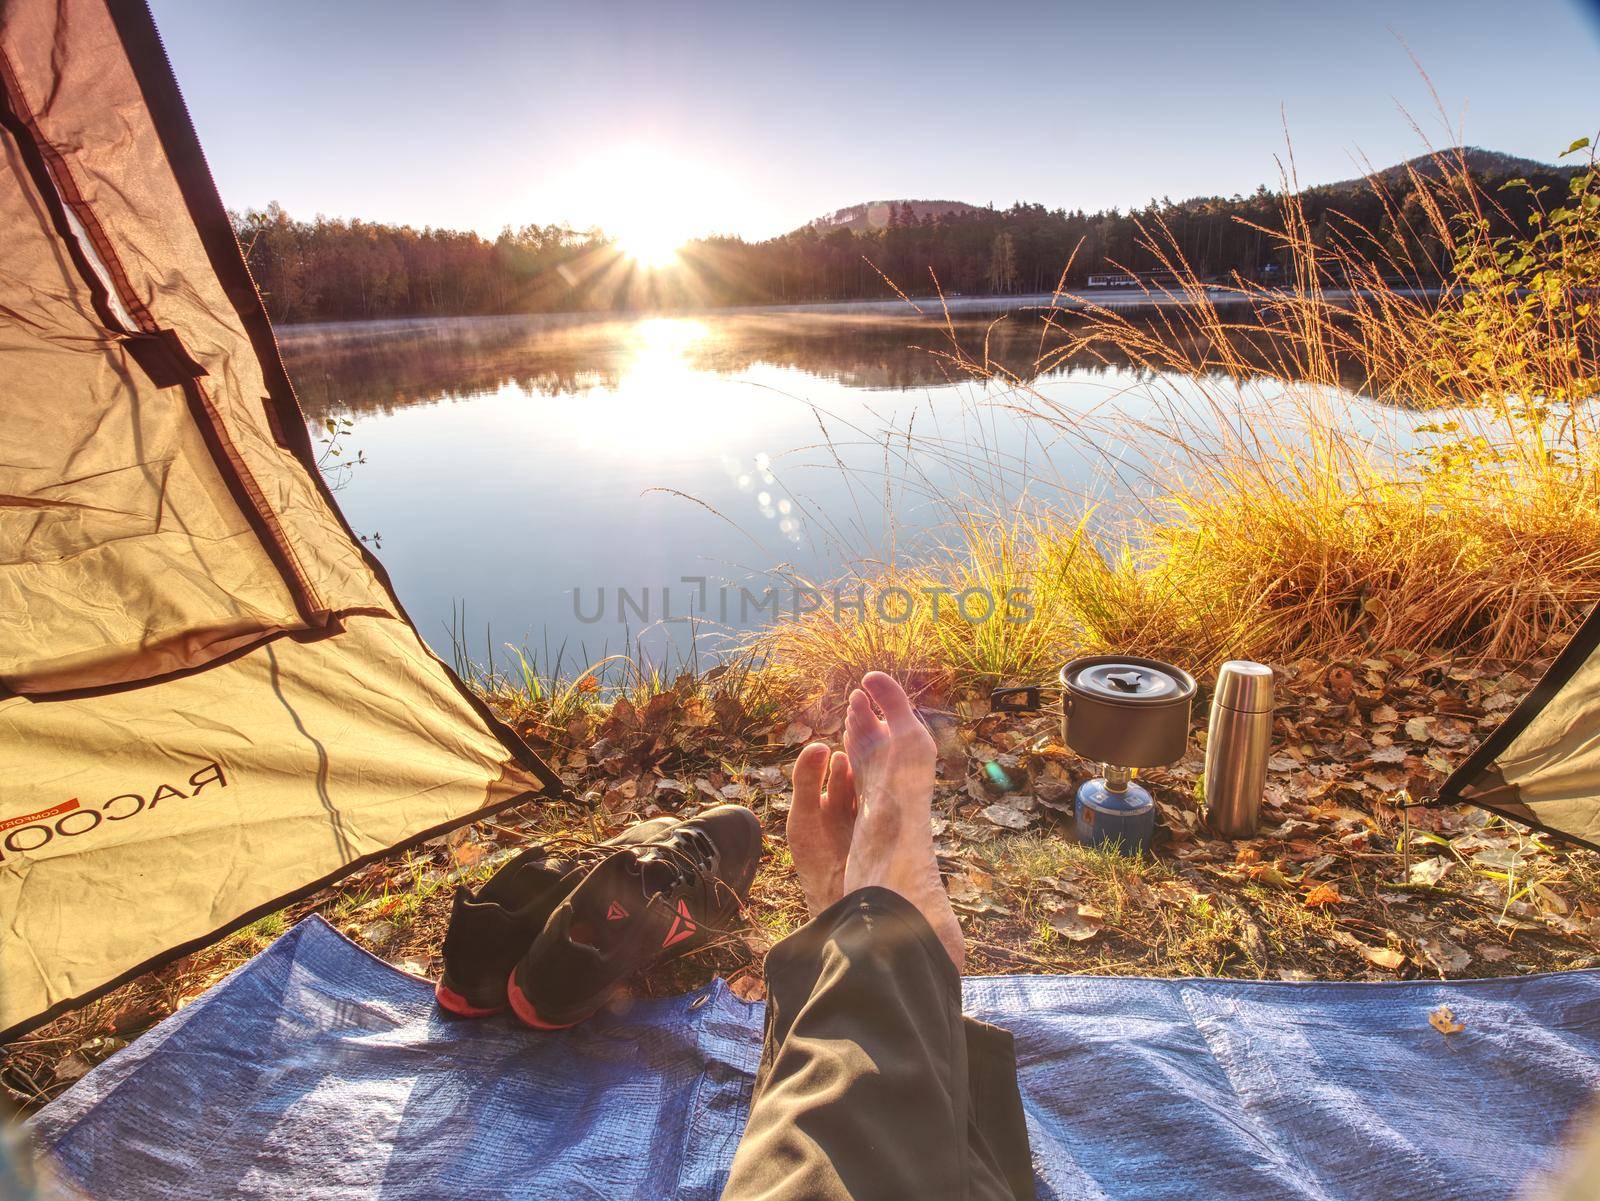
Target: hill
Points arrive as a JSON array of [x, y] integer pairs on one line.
[[880, 214], [1485, 164]]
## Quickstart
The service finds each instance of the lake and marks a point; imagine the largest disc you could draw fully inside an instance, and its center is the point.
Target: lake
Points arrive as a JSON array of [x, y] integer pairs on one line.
[[571, 485]]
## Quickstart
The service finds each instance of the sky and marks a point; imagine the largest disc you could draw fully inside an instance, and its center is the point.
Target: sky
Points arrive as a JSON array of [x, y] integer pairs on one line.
[[752, 118]]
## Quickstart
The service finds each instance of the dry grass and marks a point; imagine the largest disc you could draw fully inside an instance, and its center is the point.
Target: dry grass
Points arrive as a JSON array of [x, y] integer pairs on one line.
[[1281, 518]]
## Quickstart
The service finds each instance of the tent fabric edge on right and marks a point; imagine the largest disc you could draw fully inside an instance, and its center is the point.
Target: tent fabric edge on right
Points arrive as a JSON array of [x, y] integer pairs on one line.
[[1541, 766]]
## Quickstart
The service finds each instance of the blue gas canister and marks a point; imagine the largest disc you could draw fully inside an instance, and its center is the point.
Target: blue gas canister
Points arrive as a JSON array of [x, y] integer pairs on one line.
[[1115, 812]]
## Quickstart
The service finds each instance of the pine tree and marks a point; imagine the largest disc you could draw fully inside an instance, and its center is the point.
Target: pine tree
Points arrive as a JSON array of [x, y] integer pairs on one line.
[[1003, 264]]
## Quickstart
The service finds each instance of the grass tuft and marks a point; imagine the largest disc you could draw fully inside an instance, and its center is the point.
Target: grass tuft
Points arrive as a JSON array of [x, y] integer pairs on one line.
[[1281, 518]]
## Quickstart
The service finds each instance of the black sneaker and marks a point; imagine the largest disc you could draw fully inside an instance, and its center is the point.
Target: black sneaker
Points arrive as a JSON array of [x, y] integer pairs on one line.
[[491, 929], [640, 906]]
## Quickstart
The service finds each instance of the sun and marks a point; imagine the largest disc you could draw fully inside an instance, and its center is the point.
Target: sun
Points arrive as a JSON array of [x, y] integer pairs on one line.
[[653, 247], [646, 199]]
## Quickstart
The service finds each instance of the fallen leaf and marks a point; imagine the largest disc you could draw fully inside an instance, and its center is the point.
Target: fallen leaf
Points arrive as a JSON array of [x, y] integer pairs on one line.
[[968, 888], [795, 733], [1388, 779], [1438, 761], [1384, 714], [1268, 873], [658, 708], [1500, 859], [1417, 729], [1549, 899], [1510, 923], [623, 713], [1071, 924], [1055, 792], [1442, 1020], [1323, 894], [71, 1068], [1430, 871], [1344, 815], [468, 853], [1322, 863], [1384, 957], [1007, 816], [1445, 955]]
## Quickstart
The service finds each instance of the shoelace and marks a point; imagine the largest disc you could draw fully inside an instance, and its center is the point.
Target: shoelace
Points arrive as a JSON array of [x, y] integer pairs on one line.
[[691, 858]]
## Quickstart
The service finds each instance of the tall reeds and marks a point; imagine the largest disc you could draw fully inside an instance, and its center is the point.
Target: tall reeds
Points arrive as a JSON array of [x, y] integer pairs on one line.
[[1285, 520]]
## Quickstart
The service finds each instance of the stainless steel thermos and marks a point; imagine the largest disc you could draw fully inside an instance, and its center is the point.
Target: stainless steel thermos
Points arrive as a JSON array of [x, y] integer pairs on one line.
[[1237, 746]]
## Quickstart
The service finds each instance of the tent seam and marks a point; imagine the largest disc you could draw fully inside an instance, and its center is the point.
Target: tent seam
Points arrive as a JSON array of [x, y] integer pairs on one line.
[[71, 195]]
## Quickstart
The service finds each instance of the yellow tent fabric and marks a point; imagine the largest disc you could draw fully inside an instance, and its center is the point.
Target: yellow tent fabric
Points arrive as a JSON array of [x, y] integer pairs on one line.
[[210, 698], [1541, 766]]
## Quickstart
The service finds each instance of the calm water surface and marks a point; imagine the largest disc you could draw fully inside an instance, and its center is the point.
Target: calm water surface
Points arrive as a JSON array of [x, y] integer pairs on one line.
[[522, 471]]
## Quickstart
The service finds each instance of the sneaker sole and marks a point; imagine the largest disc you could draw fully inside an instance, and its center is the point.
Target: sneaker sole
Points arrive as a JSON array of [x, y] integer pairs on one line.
[[454, 1002], [529, 1016]]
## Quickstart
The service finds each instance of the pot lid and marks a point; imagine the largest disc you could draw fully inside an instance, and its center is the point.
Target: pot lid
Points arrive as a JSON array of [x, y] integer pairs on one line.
[[1124, 680]]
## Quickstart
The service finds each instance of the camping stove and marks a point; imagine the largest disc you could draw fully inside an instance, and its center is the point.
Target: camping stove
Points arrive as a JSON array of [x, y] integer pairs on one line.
[[1123, 713], [1112, 808]]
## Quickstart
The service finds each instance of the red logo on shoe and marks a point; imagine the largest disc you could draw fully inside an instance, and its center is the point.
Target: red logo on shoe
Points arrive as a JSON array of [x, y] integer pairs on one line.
[[616, 913], [682, 925]]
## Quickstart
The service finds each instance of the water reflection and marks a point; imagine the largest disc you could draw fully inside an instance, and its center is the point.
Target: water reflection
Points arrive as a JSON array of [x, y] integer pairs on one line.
[[578, 455], [381, 366]]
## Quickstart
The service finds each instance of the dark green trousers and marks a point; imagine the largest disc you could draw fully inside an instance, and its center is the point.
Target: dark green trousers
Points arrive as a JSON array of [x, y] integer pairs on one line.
[[872, 1085]]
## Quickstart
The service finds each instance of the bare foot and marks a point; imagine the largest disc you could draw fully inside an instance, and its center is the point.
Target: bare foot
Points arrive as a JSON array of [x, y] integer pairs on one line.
[[892, 759], [821, 820]]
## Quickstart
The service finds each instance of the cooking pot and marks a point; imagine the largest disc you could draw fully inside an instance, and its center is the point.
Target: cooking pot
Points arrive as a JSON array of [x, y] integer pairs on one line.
[[1116, 709]]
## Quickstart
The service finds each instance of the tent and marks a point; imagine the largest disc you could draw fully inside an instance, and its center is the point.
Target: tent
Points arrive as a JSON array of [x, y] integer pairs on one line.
[[1541, 766], [211, 701]]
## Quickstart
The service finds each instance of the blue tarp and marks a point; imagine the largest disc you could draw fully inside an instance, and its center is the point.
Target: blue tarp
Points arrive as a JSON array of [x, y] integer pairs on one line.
[[318, 1071]]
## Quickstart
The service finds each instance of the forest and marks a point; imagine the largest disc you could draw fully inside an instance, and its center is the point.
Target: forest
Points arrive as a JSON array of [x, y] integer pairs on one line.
[[336, 269]]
